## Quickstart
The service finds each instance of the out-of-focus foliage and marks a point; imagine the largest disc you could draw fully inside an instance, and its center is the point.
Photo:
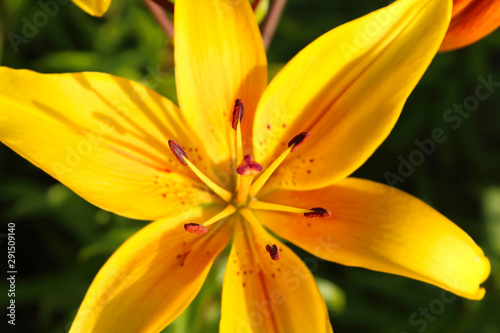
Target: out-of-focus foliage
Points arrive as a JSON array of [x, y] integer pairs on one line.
[[62, 241]]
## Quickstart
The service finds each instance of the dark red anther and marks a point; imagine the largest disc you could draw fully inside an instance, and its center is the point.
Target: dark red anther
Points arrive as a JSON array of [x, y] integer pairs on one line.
[[318, 212], [237, 113], [195, 228], [178, 151], [273, 251], [298, 140], [248, 167]]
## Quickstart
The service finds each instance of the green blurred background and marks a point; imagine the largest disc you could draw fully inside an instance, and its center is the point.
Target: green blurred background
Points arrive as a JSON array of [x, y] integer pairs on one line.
[[62, 240]]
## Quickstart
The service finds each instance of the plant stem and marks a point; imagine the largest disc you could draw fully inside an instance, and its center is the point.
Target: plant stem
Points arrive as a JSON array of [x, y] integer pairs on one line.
[[160, 16], [271, 23], [167, 5]]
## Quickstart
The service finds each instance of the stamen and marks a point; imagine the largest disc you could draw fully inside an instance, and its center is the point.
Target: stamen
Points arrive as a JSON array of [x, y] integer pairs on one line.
[[178, 151], [273, 251], [195, 228], [246, 170], [237, 113], [293, 145], [183, 158], [298, 140], [260, 205], [230, 209], [237, 117], [318, 212]]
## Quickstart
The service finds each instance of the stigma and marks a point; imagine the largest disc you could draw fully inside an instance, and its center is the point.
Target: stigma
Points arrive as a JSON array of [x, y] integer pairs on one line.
[[248, 167]]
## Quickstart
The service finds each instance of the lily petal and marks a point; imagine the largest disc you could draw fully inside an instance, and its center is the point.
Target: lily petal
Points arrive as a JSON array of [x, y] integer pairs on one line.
[[383, 229], [219, 57], [262, 295], [152, 277], [347, 88], [471, 20], [102, 136], [93, 7]]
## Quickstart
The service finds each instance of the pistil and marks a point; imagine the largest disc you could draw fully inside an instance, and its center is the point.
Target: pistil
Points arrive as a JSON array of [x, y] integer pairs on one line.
[[293, 145], [181, 155]]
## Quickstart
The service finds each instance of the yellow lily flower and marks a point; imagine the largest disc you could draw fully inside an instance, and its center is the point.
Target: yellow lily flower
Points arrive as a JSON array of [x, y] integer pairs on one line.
[[208, 171], [93, 7], [471, 20]]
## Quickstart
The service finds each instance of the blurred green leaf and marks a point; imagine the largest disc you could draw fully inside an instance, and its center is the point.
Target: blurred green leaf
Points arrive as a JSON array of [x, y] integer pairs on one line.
[[333, 295], [261, 10], [106, 244], [491, 202]]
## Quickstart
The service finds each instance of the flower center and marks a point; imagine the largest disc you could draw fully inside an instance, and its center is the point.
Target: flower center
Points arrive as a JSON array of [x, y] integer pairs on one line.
[[244, 200]]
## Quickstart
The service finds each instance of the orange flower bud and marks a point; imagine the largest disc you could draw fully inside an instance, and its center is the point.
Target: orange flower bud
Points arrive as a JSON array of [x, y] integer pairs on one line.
[[471, 20]]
